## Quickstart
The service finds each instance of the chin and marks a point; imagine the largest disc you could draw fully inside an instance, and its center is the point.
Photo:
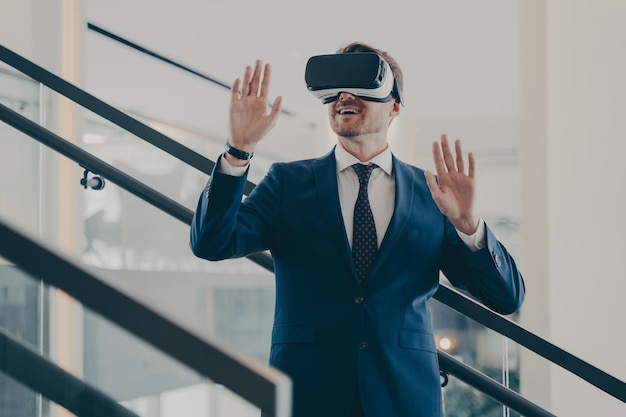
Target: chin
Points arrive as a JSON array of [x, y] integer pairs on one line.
[[346, 132]]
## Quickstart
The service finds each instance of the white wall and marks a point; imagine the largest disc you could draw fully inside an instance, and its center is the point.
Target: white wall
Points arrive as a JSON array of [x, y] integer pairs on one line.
[[32, 28], [573, 108]]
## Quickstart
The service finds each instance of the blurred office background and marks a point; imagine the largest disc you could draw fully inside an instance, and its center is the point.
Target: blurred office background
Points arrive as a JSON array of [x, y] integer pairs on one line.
[[534, 88]]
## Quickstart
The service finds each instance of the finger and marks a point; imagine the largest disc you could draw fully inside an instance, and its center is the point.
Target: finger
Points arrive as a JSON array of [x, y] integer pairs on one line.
[[256, 78], [234, 90], [447, 154], [460, 165], [438, 160], [472, 164], [245, 87], [430, 179], [432, 184], [275, 109], [265, 84]]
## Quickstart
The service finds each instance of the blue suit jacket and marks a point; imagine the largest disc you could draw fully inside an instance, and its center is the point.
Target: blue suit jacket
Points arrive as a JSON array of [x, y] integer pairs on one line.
[[330, 332]]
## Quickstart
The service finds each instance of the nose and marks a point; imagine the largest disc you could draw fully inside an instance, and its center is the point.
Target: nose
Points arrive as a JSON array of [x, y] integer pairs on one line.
[[346, 95]]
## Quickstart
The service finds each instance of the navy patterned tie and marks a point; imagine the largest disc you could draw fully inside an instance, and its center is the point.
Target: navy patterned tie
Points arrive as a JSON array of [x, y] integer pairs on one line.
[[364, 241]]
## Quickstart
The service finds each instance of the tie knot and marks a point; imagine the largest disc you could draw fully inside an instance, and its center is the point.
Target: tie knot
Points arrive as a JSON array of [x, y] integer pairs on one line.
[[364, 171]]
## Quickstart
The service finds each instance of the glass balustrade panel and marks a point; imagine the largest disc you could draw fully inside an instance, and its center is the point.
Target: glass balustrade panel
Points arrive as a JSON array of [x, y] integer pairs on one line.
[[111, 229], [106, 357], [546, 384], [480, 348], [22, 201], [146, 252], [20, 171]]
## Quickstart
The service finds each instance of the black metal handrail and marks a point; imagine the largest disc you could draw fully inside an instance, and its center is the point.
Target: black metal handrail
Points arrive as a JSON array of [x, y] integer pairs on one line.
[[505, 396], [490, 387], [119, 118], [513, 331], [39, 374], [265, 387], [162, 58]]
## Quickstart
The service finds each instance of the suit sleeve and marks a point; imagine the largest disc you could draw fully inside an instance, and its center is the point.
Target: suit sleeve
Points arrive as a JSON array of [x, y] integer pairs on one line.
[[225, 225], [489, 274]]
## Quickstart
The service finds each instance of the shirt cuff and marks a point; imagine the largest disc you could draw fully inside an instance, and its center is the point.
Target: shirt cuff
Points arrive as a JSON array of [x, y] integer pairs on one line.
[[476, 241], [225, 168]]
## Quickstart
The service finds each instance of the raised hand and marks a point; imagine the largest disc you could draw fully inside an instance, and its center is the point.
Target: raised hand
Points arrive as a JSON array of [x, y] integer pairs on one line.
[[454, 191], [249, 118]]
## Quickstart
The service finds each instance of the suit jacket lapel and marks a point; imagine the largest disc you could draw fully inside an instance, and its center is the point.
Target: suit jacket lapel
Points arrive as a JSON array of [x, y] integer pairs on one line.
[[325, 170], [402, 207]]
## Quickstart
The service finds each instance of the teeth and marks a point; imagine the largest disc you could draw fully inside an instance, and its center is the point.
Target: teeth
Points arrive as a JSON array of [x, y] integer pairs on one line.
[[347, 111]]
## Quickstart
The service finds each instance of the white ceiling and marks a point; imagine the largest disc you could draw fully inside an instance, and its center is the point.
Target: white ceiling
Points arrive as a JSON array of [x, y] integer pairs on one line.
[[459, 57]]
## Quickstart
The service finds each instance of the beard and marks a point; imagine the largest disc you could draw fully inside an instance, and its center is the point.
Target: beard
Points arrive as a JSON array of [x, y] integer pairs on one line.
[[347, 131]]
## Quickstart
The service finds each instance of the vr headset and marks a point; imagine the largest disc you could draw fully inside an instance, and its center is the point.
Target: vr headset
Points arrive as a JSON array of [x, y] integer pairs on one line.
[[364, 74]]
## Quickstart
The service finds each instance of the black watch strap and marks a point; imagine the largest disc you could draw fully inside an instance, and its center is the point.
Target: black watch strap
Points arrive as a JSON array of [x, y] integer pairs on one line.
[[238, 153]]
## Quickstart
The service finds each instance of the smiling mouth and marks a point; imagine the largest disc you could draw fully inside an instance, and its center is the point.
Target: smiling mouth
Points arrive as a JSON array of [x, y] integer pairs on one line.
[[347, 111]]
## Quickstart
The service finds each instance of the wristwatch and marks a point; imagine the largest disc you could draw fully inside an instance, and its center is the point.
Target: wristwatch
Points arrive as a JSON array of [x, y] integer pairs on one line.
[[238, 153]]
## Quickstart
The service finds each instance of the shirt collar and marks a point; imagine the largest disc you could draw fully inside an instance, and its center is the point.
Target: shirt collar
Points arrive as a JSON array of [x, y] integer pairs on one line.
[[345, 160]]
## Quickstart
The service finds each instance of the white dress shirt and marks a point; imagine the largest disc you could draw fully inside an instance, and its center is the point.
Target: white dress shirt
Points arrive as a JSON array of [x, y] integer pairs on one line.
[[381, 187], [381, 190]]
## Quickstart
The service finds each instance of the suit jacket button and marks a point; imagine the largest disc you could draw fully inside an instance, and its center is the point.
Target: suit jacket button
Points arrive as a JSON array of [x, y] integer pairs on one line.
[[358, 300], [363, 345], [496, 260]]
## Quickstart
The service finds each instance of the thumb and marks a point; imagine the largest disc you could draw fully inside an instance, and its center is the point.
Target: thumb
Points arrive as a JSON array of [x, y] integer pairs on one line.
[[276, 105], [433, 186], [431, 181]]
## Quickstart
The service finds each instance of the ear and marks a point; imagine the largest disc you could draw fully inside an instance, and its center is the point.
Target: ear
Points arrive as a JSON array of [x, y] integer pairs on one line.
[[395, 109]]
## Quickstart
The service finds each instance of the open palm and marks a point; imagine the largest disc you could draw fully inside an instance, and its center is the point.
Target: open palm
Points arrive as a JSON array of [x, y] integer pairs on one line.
[[249, 119], [454, 190]]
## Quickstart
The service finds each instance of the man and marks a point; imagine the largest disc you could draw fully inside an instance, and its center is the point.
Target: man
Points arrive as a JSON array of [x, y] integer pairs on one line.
[[351, 325]]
